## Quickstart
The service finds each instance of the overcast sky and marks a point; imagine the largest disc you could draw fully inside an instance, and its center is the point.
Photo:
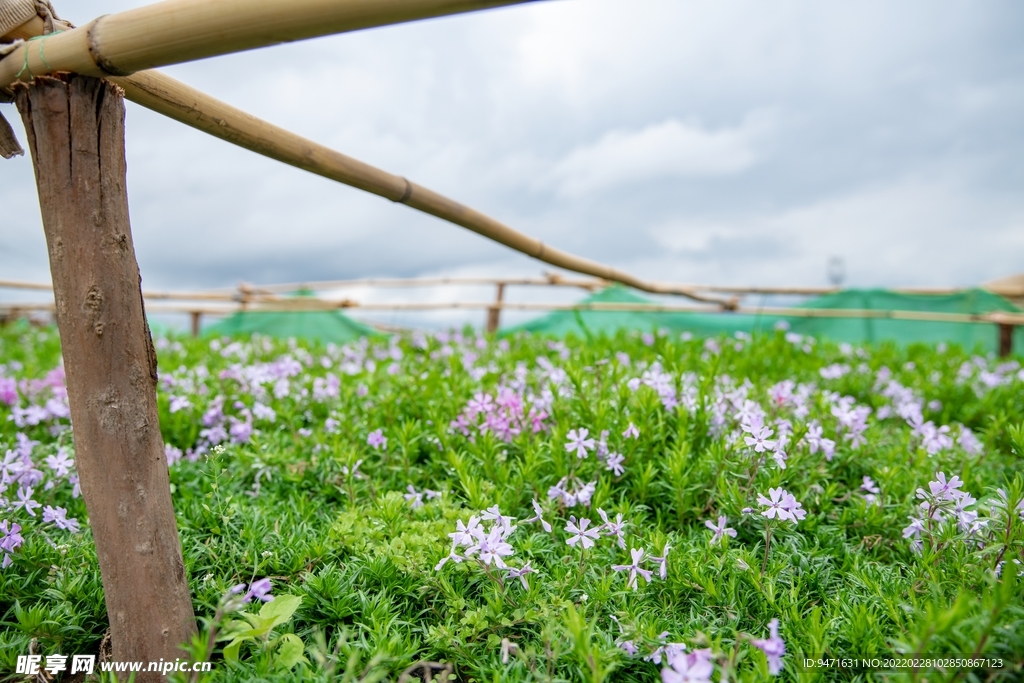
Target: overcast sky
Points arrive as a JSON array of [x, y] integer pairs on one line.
[[723, 142]]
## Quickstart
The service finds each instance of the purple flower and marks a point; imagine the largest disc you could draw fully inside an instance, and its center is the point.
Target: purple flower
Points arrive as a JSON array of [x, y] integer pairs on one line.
[[414, 497], [450, 556], [10, 467], [634, 568], [26, 501], [61, 464], [59, 517], [538, 517], [782, 504], [759, 434], [492, 548], [585, 492], [631, 432], [614, 463], [493, 514], [942, 490], [172, 454], [179, 403], [259, 590], [774, 648], [579, 442], [467, 533], [353, 471], [376, 439], [871, 490], [720, 529], [693, 667], [581, 534], [662, 561], [521, 573], [9, 542], [616, 528]]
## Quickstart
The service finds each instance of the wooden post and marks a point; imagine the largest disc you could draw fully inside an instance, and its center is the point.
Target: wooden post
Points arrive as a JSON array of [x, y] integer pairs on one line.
[[1005, 339], [494, 313], [196, 317], [75, 130]]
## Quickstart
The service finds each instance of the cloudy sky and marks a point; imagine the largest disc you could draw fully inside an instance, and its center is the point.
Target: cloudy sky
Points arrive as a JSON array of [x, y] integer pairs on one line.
[[729, 142]]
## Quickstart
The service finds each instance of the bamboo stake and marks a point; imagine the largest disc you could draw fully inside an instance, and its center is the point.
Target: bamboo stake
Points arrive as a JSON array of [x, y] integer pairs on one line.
[[178, 31], [494, 313]]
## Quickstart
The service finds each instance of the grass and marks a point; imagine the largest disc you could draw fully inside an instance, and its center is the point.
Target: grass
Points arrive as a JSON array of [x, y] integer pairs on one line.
[[843, 582]]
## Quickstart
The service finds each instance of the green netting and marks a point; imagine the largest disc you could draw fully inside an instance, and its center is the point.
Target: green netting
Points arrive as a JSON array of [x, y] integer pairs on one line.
[[853, 330], [325, 326], [968, 335]]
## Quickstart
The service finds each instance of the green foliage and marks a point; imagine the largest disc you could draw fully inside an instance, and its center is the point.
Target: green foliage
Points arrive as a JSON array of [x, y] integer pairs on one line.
[[353, 562]]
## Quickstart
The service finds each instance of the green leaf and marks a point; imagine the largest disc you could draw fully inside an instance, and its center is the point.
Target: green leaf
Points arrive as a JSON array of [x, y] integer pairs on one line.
[[289, 652], [280, 609], [231, 650]]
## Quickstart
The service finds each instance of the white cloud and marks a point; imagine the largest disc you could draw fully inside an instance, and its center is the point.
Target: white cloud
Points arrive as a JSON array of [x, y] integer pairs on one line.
[[672, 148], [737, 141], [918, 231]]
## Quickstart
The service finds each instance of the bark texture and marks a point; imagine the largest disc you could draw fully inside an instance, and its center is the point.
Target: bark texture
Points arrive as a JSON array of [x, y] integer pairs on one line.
[[75, 129]]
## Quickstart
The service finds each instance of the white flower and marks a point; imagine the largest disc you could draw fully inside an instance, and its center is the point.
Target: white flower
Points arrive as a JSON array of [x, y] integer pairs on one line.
[[581, 534]]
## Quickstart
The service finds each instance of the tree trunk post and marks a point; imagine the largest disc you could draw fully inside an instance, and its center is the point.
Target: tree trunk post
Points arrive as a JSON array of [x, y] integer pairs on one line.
[[75, 128], [1005, 339], [494, 313]]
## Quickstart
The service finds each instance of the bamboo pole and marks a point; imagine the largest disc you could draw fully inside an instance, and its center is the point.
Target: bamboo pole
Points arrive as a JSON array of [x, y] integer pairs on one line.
[[328, 305], [553, 280], [75, 128], [194, 108], [177, 31], [264, 298], [590, 284], [187, 105], [171, 296]]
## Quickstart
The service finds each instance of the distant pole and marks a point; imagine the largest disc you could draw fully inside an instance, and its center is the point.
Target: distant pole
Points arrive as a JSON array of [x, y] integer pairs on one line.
[[75, 127], [1005, 339], [196, 317], [494, 313]]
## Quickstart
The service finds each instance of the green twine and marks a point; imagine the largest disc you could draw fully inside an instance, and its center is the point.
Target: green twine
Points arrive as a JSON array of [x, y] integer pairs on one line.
[[24, 67]]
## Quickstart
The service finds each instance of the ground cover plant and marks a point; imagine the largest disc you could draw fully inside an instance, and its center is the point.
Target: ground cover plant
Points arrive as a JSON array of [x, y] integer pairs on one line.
[[518, 509]]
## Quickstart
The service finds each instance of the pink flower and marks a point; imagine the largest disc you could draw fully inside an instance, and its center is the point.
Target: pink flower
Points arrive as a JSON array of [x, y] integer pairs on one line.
[[376, 439]]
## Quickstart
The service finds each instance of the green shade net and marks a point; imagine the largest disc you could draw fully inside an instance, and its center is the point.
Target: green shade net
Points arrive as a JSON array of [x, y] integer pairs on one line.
[[853, 330], [325, 326]]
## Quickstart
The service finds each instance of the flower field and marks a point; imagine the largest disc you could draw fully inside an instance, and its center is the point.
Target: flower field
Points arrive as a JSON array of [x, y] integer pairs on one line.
[[629, 509]]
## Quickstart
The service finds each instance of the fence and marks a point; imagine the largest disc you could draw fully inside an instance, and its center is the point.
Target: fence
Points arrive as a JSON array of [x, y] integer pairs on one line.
[[247, 297]]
